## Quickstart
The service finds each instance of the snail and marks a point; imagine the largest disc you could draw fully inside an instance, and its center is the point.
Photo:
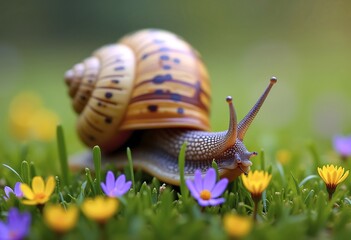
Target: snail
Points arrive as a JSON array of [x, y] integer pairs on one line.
[[150, 91]]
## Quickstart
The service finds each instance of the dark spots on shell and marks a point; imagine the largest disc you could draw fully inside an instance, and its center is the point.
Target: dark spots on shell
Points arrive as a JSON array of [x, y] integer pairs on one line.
[[176, 97], [180, 110], [164, 49], [83, 98], [159, 79], [108, 120], [158, 91], [115, 81], [166, 67], [91, 138], [152, 108], [90, 81], [100, 104], [176, 60], [119, 68], [144, 56], [108, 95], [164, 57]]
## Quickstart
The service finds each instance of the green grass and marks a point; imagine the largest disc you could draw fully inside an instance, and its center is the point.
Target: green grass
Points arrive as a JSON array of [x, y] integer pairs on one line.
[[295, 205]]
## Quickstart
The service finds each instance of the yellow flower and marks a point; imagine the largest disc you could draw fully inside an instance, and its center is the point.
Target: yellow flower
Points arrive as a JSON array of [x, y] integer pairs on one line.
[[332, 176], [59, 219], [100, 208], [283, 156], [40, 192], [237, 226], [256, 182], [30, 120]]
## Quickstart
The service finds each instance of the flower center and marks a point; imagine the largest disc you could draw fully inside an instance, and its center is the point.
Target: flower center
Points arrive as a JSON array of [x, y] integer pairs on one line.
[[205, 195], [40, 196], [13, 235]]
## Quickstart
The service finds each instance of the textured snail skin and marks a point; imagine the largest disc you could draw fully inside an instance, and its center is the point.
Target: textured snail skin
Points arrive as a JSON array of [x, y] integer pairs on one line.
[[153, 103]]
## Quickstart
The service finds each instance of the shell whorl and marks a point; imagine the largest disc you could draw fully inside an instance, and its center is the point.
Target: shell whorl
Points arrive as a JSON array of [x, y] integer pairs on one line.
[[149, 79], [100, 88]]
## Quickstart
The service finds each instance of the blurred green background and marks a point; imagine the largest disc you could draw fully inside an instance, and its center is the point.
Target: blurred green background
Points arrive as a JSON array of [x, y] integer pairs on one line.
[[305, 44]]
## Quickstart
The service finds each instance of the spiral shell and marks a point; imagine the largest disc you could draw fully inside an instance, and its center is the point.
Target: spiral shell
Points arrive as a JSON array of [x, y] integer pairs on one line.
[[149, 79]]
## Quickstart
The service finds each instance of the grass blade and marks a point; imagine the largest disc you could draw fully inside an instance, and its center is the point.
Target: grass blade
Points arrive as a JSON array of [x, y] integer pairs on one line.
[[25, 172], [306, 179], [181, 164], [263, 160], [14, 171], [296, 184], [215, 166], [130, 163], [90, 180], [61, 146]]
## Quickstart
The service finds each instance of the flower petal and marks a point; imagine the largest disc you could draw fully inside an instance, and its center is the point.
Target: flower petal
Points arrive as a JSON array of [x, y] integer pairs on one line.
[[343, 177], [321, 174], [110, 180], [4, 231], [198, 181], [191, 186], [50, 186], [210, 179], [38, 185], [120, 181], [217, 201], [104, 188], [29, 202], [18, 191], [124, 189], [27, 191], [219, 188], [8, 191], [202, 202]]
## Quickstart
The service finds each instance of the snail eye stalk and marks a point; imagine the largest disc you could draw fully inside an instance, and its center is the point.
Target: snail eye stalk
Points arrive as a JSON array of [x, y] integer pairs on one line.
[[247, 120]]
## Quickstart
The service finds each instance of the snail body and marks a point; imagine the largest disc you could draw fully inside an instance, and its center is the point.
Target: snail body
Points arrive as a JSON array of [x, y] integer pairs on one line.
[[153, 86]]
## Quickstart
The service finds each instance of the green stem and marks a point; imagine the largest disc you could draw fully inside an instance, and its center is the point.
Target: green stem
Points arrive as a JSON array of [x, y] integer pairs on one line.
[[255, 211], [97, 166], [103, 233], [256, 199]]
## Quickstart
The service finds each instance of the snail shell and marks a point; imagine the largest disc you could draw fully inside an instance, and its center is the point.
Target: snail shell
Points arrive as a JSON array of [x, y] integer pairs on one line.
[[155, 82], [150, 79]]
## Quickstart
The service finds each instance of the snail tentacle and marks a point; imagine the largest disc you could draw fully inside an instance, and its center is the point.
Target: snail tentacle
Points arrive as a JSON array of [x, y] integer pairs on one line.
[[232, 132], [247, 120]]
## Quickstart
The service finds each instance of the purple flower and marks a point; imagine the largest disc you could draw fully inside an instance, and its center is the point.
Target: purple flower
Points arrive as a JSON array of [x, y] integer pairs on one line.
[[17, 225], [342, 145], [115, 188], [17, 191], [205, 190]]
